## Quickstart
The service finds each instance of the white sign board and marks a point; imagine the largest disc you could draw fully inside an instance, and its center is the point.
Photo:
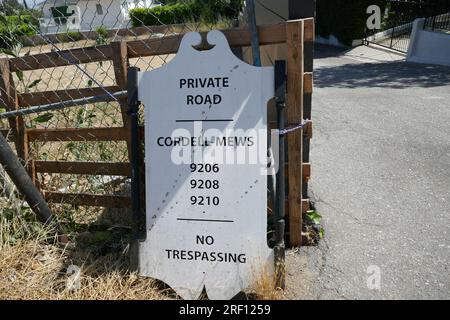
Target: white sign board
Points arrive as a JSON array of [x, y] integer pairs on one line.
[[205, 161]]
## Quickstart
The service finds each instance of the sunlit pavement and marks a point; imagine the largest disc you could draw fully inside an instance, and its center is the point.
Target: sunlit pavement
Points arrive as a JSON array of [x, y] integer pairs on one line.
[[380, 177]]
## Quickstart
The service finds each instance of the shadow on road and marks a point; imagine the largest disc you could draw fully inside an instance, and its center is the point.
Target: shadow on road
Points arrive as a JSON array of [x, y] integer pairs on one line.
[[397, 75], [322, 51]]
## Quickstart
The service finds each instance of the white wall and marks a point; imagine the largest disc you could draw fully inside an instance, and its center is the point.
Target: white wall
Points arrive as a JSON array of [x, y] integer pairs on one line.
[[428, 47], [112, 17]]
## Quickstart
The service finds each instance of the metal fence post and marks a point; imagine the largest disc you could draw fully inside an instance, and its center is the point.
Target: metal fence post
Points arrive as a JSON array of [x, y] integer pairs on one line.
[[133, 108], [279, 248]]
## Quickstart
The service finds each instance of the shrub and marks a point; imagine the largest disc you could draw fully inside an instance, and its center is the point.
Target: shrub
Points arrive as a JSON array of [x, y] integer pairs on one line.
[[102, 35], [209, 11], [102, 31], [74, 35], [13, 27], [212, 10], [170, 14], [342, 18]]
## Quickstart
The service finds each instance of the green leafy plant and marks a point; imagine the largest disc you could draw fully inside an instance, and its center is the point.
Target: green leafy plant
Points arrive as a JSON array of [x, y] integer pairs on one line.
[[315, 218], [45, 117], [321, 233], [74, 35], [102, 35], [14, 27]]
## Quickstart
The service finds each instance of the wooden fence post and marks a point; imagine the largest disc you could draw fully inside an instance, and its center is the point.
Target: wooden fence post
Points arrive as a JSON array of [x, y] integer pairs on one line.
[[8, 98], [120, 63], [294, 115], [305, 9]]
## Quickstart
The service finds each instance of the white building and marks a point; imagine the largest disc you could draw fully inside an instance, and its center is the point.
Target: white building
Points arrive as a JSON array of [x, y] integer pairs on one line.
[[86, 15]]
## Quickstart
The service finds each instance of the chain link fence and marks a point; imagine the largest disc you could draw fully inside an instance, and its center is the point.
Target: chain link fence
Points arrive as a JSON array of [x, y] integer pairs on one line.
[[59, 51]]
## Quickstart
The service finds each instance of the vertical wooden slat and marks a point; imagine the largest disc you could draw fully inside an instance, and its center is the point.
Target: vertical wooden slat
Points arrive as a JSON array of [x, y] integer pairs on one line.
[[8, 98], [120, 63], [307, 95], [294, 114]]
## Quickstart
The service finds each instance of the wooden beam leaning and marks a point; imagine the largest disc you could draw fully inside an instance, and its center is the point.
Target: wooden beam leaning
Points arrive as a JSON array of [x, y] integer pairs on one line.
[[120, 63], [294, 114]]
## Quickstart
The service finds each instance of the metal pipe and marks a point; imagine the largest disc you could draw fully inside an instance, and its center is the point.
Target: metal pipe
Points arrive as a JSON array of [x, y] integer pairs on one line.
[[250, 9], [23, 182], [61, 105], [279, 248]]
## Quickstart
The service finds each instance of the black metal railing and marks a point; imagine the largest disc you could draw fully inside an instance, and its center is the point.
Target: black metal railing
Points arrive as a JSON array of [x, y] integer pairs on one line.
[[439, 22], [398, 19]]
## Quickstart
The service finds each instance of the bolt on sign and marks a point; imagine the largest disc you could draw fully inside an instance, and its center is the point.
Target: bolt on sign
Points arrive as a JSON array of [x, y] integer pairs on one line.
[[206, 170]]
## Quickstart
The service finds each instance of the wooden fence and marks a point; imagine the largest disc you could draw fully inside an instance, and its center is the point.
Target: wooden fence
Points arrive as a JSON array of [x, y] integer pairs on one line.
[[295, 34]]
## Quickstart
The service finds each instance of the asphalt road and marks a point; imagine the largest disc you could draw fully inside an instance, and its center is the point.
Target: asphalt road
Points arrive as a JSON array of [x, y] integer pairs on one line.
[[381, 179]]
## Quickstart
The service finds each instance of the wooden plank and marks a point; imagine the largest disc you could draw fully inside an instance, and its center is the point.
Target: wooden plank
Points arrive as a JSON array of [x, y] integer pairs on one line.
[[120, 63], [9, 99], [306, 171], [89, 168], [33, 173], [35, 40], [88, 200], [237, 37], [47, 97], [308, 131], [308, 82], [305, 206], [62, 58], [78, 134], [309, 34], [294, 114]]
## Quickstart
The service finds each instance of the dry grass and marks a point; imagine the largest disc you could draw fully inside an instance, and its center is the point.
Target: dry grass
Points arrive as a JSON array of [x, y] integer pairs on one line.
[[32, 270], [263, 286], [33, 265]]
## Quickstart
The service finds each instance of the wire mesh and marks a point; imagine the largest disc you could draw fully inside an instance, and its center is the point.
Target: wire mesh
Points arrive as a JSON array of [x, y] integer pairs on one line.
[[36, 34]]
